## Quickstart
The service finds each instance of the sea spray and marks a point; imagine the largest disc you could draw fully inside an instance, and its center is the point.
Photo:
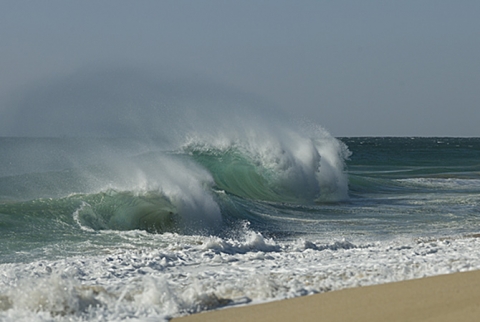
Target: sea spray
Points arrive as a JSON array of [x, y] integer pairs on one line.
[[155, 113], [156, 192]]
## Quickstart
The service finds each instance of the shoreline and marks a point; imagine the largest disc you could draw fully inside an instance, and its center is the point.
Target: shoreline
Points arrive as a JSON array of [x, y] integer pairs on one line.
[[450, 297]]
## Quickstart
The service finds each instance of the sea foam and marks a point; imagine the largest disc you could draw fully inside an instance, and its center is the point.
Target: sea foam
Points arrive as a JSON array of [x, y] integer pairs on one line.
[[195, 273]]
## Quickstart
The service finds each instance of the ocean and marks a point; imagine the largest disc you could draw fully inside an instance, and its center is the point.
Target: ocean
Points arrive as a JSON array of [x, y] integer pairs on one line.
[[129, 229]]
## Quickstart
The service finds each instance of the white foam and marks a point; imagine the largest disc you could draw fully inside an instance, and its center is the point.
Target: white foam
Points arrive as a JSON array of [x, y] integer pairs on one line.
[[160, 276]]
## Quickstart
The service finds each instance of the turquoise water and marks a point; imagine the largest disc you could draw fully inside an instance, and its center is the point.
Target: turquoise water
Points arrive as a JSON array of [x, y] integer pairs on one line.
[[123, 229]]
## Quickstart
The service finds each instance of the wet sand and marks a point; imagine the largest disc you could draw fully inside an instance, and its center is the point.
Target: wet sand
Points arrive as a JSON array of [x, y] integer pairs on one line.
[[452, 297]]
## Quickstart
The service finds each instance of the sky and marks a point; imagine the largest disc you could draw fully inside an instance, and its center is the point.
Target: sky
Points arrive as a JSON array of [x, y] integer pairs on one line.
[[357, 68]]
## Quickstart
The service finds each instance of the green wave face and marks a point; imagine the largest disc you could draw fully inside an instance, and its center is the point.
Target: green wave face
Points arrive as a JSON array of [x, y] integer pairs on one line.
[[126, 211], [235, 174], [100, 211], [240, 174]]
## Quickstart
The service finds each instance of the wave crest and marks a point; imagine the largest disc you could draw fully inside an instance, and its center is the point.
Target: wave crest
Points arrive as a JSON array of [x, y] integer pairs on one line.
[[280, 166]]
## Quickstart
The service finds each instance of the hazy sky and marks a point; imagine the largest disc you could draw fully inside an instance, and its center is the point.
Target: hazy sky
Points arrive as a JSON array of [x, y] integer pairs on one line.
[[355, 67]]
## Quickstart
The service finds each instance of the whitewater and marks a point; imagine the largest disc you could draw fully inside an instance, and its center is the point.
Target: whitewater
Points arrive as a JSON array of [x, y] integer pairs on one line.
[[193, 205]]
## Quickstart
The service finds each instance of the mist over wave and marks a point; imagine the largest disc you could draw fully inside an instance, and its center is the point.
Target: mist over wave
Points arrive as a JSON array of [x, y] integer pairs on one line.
[[128, 150]]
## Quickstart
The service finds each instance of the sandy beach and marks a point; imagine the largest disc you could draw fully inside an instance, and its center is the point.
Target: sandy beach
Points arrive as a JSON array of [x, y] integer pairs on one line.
[[452, 297]]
